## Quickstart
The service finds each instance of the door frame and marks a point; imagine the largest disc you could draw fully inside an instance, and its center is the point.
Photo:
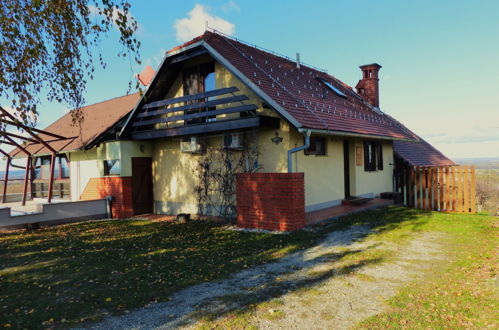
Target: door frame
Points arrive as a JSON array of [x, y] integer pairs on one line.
[[346, 168]]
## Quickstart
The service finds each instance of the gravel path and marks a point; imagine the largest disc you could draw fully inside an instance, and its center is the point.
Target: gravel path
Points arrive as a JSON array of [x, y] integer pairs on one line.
[[314, 287]]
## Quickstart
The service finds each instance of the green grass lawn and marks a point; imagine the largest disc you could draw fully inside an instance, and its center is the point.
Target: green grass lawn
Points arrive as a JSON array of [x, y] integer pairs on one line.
[[62, 276], [462, 291]]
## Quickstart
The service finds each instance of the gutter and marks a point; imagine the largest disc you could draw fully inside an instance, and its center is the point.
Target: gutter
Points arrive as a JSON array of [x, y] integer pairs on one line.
[[359, 135], [306, 133]]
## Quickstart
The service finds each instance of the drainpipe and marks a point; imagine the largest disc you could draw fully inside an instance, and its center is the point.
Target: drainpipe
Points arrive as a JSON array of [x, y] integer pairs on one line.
[[291, 151]]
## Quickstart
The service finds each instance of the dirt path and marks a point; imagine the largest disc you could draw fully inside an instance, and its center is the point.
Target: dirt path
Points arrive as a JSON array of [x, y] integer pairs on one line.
[[335, 284]]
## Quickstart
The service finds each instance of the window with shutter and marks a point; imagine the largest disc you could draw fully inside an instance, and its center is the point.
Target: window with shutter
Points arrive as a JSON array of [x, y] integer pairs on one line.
[[373, 156]]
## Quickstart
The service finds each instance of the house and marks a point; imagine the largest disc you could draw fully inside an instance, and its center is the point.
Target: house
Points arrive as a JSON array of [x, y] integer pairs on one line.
[[215, 91]]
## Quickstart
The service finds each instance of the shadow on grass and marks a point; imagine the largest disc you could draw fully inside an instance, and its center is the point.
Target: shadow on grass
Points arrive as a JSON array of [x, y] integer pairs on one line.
[[79, 272]]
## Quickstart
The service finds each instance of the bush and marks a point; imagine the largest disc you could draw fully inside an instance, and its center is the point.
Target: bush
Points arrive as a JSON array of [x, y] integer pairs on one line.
[[487, 191]]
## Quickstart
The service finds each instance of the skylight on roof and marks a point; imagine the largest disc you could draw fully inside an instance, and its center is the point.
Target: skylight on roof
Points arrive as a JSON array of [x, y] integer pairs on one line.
[[331, 87]]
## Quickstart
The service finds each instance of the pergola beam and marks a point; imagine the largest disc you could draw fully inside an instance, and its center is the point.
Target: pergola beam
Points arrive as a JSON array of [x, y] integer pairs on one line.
[[27, 128], [8, 119], [6, 176], [17, 136]]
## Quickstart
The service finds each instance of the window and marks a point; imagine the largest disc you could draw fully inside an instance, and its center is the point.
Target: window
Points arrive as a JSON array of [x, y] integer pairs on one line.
[[63, 160], [373, 156], [42, 167], [199, 79], [112, 167], [317, 146], [331, 87]]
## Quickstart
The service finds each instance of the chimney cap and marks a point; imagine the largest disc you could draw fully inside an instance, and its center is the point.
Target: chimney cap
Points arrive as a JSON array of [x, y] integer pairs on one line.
[[375, 65]]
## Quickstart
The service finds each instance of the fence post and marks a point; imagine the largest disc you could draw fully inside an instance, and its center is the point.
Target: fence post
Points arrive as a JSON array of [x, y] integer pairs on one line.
[[473, 190], [466, 191]]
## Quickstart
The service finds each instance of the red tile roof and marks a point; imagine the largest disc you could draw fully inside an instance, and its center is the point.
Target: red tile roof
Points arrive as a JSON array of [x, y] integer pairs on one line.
[[302, 94], [421, 154], [98, 118]]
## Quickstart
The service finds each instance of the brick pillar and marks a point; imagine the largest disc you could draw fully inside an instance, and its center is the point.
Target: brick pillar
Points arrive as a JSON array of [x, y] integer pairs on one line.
[[271, 201], [118, 187]]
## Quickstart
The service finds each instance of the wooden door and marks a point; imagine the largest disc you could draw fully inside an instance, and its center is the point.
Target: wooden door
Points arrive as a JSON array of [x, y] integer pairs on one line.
[[142, 185]]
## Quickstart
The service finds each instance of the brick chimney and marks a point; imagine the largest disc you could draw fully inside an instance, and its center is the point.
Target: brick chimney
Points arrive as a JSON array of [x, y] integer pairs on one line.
[[368, 86]]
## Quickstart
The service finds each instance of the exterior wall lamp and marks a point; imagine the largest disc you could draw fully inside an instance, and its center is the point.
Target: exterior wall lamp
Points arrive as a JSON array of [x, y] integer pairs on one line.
[[276, 139]]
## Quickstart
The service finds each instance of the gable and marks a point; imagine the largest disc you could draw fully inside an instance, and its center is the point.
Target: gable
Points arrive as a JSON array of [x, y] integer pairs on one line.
[[98, 118], [306, 97], [183, 104]]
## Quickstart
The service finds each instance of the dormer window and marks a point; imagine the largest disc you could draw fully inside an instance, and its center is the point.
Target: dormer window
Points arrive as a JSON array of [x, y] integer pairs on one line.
[[331, 87]]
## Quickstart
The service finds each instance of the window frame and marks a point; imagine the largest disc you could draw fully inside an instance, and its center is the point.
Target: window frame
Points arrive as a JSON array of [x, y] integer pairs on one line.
[[106, 168], [199, 74], [373, 156], [312, 149], [38, 167]]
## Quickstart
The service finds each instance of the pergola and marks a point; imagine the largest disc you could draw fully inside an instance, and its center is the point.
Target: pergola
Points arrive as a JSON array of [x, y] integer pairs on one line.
[[33, 138]]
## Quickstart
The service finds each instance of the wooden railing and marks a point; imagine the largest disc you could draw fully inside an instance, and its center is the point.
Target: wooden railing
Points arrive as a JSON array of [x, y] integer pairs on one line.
[[201, 113], [443, 188]]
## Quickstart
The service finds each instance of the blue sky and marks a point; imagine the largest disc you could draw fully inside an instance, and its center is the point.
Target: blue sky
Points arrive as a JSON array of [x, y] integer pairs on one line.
[[440, 59]]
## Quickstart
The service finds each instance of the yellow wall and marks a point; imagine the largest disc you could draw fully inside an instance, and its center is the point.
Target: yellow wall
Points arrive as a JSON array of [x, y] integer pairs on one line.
[[87, 164], [174, 178], [174, 172], [376, 182], [130, 149], [323, 174]]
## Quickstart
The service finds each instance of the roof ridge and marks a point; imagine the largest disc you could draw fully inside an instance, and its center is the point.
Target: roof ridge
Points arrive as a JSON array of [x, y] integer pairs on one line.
[[263, 49], [287, 58]]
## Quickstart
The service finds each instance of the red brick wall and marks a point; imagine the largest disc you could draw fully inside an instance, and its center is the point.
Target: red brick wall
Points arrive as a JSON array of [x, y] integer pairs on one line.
[[118, 187], [272, 201]]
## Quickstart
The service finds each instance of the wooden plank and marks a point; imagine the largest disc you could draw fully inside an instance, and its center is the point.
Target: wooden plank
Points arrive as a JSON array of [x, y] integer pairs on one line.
[[427, 189], [193, 97], [454, 190], [187, 56], [466, 190], [410, 188], [204, 114], [441, 184], [226, 125], [459, 207], [417, 199], [404, 185], [435, 189], [430, 190], [448, 187], [424, 177], [194, 106], [473, 190], [451, 189]]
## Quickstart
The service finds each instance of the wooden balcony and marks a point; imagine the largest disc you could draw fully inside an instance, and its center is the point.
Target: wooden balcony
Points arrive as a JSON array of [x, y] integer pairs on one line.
[[213, 111]]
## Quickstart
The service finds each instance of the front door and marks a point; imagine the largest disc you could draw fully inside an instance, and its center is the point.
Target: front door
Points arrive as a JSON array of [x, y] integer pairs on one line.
[[346, 167], [142, 185]]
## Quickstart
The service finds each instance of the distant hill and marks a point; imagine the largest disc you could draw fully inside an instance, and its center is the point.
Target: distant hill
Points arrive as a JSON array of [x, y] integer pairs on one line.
[[13, 174], [482, 163]]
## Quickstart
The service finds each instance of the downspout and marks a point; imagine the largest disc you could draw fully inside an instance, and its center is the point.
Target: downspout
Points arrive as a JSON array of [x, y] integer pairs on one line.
[[292, 151]]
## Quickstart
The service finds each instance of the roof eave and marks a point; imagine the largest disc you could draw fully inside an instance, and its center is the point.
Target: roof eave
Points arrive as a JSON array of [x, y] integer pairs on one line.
[[352, 134]]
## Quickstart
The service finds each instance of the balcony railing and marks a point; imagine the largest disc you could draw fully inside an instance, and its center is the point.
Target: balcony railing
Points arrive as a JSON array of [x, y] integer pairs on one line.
[[197, 114]]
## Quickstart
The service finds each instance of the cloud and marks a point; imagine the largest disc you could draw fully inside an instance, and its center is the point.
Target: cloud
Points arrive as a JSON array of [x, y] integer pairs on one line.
[[195, 24], [231, 6], [155, 59]]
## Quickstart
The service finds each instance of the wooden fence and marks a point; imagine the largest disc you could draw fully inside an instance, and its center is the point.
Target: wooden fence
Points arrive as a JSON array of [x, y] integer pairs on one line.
[[442, 188]]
